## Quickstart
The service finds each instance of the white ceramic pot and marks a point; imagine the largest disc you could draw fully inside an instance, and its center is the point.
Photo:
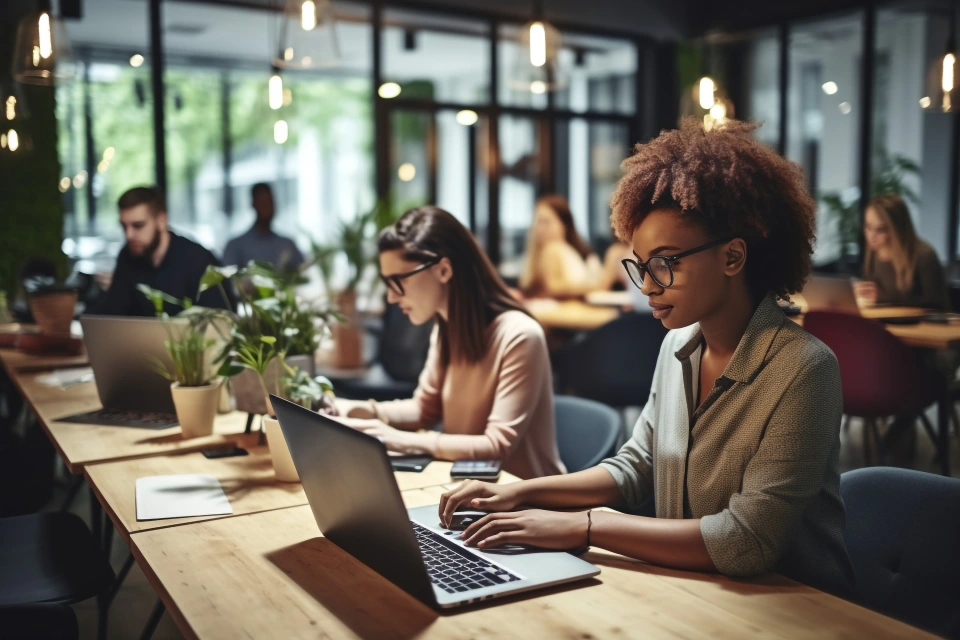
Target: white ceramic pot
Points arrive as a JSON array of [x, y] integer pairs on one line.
[[279, 452], [196, 408], [246, 389]]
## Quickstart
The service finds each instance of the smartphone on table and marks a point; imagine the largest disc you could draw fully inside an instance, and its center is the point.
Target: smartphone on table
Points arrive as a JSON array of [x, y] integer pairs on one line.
[[476, 469]]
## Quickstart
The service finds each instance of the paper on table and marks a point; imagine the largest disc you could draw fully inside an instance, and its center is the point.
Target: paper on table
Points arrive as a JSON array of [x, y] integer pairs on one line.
[[63, 378], [180, 496]]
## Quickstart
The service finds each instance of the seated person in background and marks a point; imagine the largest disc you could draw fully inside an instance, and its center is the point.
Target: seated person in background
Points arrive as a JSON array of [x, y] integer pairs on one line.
[[487, 377], [739, 440], [559, 264], [898, 267], [260, 242], [156, 257]]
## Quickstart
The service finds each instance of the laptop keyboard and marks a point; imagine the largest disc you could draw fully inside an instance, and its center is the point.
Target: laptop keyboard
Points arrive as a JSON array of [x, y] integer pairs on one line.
[[455, 570]]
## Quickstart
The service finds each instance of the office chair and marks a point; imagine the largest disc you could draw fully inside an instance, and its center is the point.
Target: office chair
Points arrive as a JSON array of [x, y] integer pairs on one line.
[[880, 375], [902, 529], [400, 357], [587, 432], [52, 558]]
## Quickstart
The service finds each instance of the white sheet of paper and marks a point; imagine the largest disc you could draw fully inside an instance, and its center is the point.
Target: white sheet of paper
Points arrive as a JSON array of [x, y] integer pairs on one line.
[[180, 496], [64, 378]]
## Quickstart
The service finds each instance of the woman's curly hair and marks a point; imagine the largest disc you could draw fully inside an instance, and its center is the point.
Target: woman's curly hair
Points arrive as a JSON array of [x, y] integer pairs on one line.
[[731, 186]]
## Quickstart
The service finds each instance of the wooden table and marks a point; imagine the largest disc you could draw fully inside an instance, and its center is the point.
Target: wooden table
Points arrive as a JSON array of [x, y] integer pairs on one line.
[[570, 314], [272, 575], [248, 482], [616, 299], [83, 444], [15, 360]]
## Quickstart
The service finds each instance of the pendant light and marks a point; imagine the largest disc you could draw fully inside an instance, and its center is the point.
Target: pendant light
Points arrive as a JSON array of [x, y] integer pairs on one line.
[[42, 53], [537, 69], [13, 113], [943, 81], [308, 36], [709, 99]]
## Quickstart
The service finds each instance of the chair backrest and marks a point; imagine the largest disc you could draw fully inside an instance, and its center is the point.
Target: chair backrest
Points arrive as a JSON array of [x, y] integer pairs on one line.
[[402, 349], [613, 364], [587, 431], [880, 374], [903, 535]]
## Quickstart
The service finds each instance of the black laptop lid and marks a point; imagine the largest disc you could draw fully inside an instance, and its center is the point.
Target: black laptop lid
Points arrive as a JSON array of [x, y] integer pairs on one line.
[[354, 495]]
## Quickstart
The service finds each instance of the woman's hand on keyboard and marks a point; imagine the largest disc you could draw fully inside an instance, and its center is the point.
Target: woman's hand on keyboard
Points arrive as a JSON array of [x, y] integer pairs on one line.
[[474, 494], [534, 527]]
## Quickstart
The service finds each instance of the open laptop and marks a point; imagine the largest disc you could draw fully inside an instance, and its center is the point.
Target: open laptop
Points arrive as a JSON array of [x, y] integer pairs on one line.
[[354, 496], [132, 393], [835, 294]]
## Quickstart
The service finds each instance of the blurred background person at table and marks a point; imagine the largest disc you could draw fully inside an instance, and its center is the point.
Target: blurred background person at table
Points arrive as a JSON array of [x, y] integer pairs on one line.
[[898, 267], [487, 378], [156, 257], [261, 242], [558, 263]]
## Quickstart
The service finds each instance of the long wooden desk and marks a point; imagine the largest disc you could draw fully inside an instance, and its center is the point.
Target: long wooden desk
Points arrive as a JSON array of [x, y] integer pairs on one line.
[[570, 314], [248, 482], [83, 444], [15, 360], [272, 575]]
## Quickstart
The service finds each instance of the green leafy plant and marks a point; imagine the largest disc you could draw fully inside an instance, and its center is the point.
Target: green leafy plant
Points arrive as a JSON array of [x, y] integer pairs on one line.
[[356, 240], [188, 354], [889, 176], [276, 325], [186, 344]]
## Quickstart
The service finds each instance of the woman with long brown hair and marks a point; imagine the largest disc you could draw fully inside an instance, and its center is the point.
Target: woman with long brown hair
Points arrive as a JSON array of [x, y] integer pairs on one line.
[[558, 263], [898, 267], [487, 377]]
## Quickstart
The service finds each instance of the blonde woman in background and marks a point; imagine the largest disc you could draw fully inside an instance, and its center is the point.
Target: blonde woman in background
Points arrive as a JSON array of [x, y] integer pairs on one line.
[[898, 267], [558, 263]]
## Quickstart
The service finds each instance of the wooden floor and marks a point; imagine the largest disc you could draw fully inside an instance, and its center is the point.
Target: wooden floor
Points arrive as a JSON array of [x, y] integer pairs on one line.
[[136, 599]]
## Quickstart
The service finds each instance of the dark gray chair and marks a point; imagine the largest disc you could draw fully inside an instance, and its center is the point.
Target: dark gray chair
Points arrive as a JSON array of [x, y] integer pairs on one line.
[[587, 432], [39, 622], [52, 558], [903, 535], [401, 355], [613, 364]]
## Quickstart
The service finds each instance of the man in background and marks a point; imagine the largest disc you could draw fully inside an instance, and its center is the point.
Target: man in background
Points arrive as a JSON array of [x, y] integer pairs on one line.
[[156, 257], [260, 242]]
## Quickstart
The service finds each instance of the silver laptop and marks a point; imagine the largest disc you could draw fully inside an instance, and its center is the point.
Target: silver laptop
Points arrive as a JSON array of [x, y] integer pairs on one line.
[[833, 293], [131, 391], [354, 496]]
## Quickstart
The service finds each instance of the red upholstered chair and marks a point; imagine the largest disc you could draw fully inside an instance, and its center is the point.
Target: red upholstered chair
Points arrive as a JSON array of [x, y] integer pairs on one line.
[[880, 374]]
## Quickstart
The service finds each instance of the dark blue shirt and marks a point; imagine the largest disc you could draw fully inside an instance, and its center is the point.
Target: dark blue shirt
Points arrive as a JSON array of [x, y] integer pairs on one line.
[[177, 275]]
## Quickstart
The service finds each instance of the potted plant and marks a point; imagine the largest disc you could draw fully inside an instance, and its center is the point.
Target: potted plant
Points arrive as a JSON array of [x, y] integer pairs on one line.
[[194, 384], [52, 304], [354, 241], [293, 384], [271, 310]]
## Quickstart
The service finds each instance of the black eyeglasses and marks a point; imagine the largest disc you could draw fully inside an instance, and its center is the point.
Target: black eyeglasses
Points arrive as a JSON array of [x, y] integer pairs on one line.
[[661, 267], [395, 282]]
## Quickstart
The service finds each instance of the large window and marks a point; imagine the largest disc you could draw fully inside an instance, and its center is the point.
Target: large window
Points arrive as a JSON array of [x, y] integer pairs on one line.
[[823, 125], [449, 137]]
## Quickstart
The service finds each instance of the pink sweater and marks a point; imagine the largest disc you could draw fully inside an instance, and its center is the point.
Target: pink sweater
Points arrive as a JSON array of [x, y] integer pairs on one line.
[[500, 408]]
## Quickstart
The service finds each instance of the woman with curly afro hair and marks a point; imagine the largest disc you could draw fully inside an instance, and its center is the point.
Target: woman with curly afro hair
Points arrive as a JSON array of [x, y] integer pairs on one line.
[[737, 446]]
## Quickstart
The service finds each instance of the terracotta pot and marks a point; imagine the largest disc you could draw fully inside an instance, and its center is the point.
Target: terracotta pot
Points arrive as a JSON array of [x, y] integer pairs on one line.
[[347, 335], [279, 452], [247, 392], [196, 408], [53, 310]]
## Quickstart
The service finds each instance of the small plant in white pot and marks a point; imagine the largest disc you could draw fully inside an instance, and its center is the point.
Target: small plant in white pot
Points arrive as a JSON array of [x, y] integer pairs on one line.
[[195, 390], [294, 384]]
